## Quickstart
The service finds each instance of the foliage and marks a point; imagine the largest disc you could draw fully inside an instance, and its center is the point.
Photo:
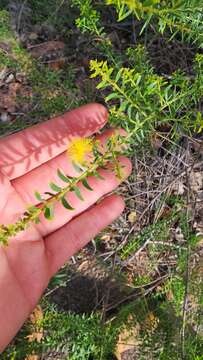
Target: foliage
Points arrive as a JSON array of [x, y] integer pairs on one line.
[[76, 337], [51, 91], [183, 17], [145, 100], [45, 11], [15, 57], [89, 19], [141, 100], [73, 336]]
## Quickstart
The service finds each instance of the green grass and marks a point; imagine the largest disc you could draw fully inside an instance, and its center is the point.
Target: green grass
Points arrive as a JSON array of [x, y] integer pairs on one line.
[[52, 92]]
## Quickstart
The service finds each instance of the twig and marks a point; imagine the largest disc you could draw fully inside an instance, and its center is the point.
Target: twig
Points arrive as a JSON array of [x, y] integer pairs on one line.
[[182, 173], [106, 298], [185, 305], [20, 14], [131, 258], [168, 244], [187, 276], [151, 283], [137, 294]]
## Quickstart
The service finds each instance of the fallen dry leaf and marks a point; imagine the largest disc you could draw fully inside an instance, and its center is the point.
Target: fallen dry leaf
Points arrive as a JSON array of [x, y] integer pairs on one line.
[[169, 295], [33, 36], [38, 51], [57, 63], [179, 235], [151, 322], [197, 145], [106, 237], [36, 328], [8, 97], [5, 117], [128, 339], [84, 265], [3, 74], [156, 141], [132, 217], [35, 336], [196, 180], [200, 243], [6, 47], [178, 188], [37, 315], [10, 78], [32, 357]]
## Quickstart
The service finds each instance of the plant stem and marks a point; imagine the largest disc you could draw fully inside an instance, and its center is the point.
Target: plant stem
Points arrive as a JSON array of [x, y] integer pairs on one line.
[[32, 215]]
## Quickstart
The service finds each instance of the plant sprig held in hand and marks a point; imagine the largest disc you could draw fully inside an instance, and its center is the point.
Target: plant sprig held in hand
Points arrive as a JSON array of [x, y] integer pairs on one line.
[[87, 156]]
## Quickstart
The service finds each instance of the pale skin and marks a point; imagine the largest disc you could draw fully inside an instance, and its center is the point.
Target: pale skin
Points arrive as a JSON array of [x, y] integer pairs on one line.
[[28, 162]]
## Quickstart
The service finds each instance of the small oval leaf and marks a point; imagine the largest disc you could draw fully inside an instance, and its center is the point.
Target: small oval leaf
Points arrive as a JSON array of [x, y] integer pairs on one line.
[[112, 96], [63, 177], [78, 193], [86, 185], [38, 196], [55, 187], [48, 212], [66, 204], [37, 220], [99, 176], [32, 209], [77, 167]]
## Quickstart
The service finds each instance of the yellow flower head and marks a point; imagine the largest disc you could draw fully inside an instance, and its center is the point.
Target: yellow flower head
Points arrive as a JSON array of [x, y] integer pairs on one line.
[[80, 150]]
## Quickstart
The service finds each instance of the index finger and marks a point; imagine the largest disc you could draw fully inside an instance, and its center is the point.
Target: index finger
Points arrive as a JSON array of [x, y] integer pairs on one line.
[[28, 149]]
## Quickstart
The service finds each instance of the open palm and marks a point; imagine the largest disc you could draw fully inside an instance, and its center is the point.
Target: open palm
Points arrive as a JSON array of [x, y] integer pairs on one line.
[[28, 162]]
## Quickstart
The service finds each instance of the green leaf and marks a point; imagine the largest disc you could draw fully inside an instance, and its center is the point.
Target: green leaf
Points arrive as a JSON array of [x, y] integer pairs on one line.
[[37, 220], [99, 176], [123, 106], [102, 84], [129, 111], [77, 167], [78, 193], [63, 177], [66, 204], [86, 185], [55, 187], [112, 96], [49, 212], [38, 196], [49, 193], [32, 209], [96, 150], [118, 76]]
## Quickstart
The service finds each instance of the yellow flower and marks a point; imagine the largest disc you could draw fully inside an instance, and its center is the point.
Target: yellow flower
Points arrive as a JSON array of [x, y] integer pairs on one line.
[[80, 150]]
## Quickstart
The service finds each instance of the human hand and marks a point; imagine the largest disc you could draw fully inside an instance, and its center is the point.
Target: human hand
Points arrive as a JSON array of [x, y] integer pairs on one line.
[[28, 162]]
